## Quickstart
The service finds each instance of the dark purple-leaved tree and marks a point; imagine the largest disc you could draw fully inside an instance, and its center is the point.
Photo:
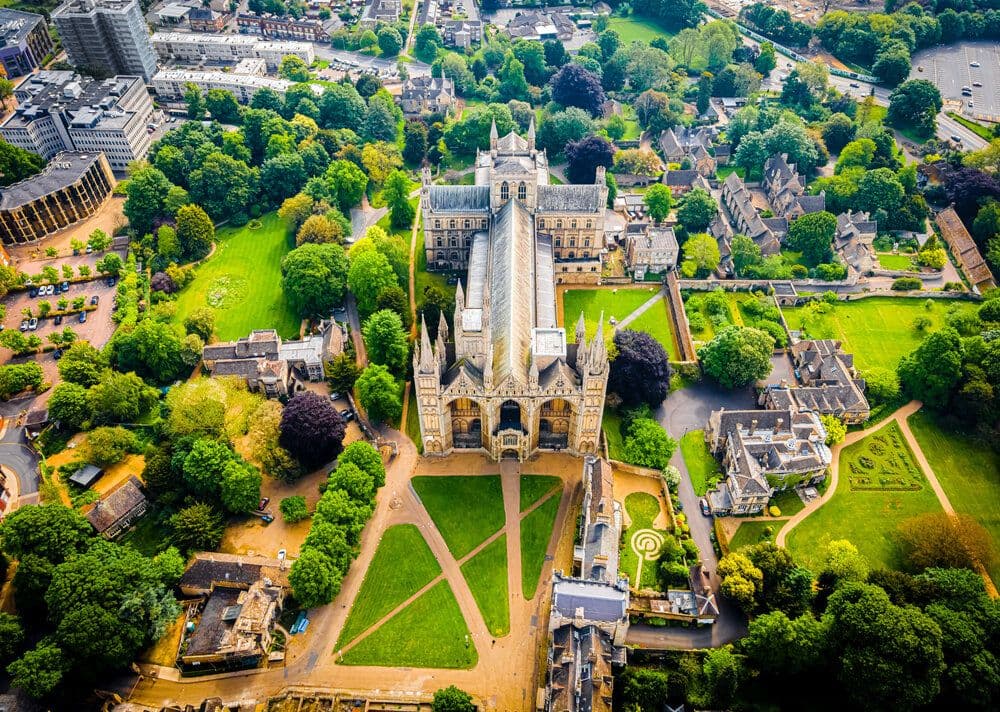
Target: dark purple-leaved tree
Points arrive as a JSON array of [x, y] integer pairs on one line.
[[574, 85], [311, 429], [640, 373], [966, 187], [585, 156]]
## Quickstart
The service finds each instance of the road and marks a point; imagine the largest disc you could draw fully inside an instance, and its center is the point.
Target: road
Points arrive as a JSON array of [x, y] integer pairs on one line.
[[15, 455], [683, 411]]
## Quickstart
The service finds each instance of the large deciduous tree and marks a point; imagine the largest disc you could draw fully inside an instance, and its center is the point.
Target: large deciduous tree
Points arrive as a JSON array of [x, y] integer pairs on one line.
[[914, 103], [584, 156], [812, 235], [370, 273], [311, 429], [697, 211], [315, 277], [379, 394], [640, 371], [934, 368], [386, 341], [574, 85], [737, 356]]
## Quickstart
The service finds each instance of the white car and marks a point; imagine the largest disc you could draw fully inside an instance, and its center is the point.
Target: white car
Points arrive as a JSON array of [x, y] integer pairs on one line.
[[974, 64], [282, 553]]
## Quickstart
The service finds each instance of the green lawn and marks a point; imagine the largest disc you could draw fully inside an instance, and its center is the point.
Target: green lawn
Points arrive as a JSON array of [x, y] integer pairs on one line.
[[617, 303], [981, 131], [723, 172], [897, 262], [402, 565], [751, 533], [429, 633], [968, 470], [878, 331], [635, 28], [655, 322], [788, 502], [465, 509], [424, 278], [534, 487], [611, 424], [642, 509], [413, 423], [536, 531], [241, 282], [867, 518], [702, 466], [486, 574]]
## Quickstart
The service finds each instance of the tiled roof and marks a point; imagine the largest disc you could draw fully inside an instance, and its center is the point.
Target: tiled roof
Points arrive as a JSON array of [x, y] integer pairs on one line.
[[115, 505], [569, 198], [460, 198]]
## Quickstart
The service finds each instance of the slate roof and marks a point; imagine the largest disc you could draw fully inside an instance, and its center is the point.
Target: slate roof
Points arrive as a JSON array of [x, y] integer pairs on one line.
[[210, 568], [115, 505], [597, 601], [460, 198], [580, 673], [569, 198], [428, 88], [512, 290]]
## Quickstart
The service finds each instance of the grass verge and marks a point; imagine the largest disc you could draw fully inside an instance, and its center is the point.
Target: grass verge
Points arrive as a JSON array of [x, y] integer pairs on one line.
[[702, 466], [536, 530]]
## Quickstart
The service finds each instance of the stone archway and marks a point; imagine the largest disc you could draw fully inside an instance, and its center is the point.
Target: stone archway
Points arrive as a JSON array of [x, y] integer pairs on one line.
[[555, 424], [510, 416], [466, 420]]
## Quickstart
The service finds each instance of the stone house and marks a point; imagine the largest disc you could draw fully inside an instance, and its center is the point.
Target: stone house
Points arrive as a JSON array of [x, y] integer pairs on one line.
[[683, 181], [785, 189], [690, 144], [433, 95], [116, 512], [829, 384], [744, 216], [653, 250], [853, 241]]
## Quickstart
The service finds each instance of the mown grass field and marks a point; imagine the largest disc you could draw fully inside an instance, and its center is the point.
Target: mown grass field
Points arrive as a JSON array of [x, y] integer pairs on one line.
[[655, 322], [617, 303], [536, 530], [969, 473], [429, 633], [751, 533], [465, 509], [642, 29], [642, 510], [878, 331], [241, 282], [486, 574], [702, 467], [534, 487], [611, 425], [402, 565]]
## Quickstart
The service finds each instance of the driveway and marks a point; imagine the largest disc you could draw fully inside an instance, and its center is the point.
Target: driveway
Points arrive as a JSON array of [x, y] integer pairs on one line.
[[17, 456]]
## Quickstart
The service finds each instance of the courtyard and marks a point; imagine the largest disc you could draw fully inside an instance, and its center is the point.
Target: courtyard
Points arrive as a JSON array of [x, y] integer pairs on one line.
[[621, 304], [241, 282]]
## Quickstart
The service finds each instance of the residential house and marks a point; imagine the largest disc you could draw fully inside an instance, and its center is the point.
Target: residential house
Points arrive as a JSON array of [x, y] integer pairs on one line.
[[683, 181], [376, 11], [541, 26], [853, 241], [273, 366], [970, 260], [434, 95], [653, 250], [210, 569], [610, 108], [744, 216], [785, 189], [205, 19], [113, 514], [691, 145], [829, 384], [461, 34], [761, 451], [596, 556]]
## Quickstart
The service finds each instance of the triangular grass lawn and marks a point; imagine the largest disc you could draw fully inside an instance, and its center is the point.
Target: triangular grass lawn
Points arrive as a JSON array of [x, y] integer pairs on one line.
[[402, 565], [466, 509], [429, 633], [486, 574], [536, 530], [534, 487]]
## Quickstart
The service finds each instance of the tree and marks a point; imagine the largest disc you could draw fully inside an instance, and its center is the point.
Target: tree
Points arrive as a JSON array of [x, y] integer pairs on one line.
[[766, 60], [648, 445], [881, 384], [563, 127], [837, 131], [584, 156], [640, 372], [222, 105], [777, 645], [69, 405], [452, 699], [637, 161], [389, 41], [201, 321], [311, 429], [282, 176], [204, 466], [893, 66], [195, 232], [82, 364], [386, 341], [737, 356], [197, 527], [742, 581], [745, 253], [15, 378], [296, 210], [341, 373], [836, 431], [427, 43], [315, 277], [120, 398], [370, 273], [396, 193], [99, 241], [349, 183], [293, 509], [293, 68], [367, 458], [575, 86], [52, 532], [704, 92], [642, 689], [314, 579], [40, 670], [16, 164], [879, 189], [842, 563], [153, 349], [144, 193], [414, 141], [933, 369], [318, 229], [107, 446], [701, 254], [812, 235], [696, 211], [240, 487], [195, 101], [223, 186], [943, 540], [11, 637], [658, 201], [914, 103], [379, 394]]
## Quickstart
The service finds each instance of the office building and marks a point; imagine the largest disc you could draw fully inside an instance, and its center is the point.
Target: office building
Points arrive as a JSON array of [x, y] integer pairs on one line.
[[63, 111], [71, 188], [106, 34], [187, 47], [24, 42]]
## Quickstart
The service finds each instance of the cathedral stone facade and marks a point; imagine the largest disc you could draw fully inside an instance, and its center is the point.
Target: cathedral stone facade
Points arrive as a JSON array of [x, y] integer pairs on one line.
[[504, 379]]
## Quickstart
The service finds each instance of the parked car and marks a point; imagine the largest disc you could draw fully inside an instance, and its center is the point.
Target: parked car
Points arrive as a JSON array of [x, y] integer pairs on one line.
[[32, 324], [58, 320], [956, 139], [89, 249], [335, 396], [974, 64], [264, 501], [705, 510], [24, 325], [50, 289], [266, 518], [282, 553], [57, 354], [64, 287], [94, 300], [977, 84], [33, 292], [347, 414], [854, 85], [82, 318], [111, 281]]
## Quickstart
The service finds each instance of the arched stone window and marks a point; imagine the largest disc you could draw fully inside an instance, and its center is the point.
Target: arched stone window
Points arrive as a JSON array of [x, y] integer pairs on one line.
[[522, 191], [504, 191]]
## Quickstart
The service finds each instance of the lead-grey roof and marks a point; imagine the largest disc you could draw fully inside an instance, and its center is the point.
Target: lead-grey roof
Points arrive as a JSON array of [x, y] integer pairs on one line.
[[479, 264], [569, 198], [460, 198], [599, 601], [512, 289], [545, 294]]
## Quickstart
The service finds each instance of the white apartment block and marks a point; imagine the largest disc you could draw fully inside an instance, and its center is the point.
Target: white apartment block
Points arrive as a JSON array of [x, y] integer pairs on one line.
[[170, 84], [63, 111], [191, 47], [106, 34]]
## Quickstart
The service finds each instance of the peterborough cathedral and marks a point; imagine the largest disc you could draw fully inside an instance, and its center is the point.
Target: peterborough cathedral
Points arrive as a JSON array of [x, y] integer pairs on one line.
[[506, 381]]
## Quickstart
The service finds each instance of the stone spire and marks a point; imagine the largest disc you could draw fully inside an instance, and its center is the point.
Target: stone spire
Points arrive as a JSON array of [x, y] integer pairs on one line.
[[533, 374], [459, 297], [494, 135], [581, 331], [531, 133], [442, 327], [427, 364], [598, 351]]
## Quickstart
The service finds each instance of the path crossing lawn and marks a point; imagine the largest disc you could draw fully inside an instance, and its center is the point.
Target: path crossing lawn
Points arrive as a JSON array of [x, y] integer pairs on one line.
[[655, 322], [868, 518], [465, 509], [486, 574], [536, 531], [241, 282], [702, 467], [429, 633], [968, 470], [617, 303], [751, 533], [641, 29], [402, 565], [534, 487], [878, 331], [642, 510]]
